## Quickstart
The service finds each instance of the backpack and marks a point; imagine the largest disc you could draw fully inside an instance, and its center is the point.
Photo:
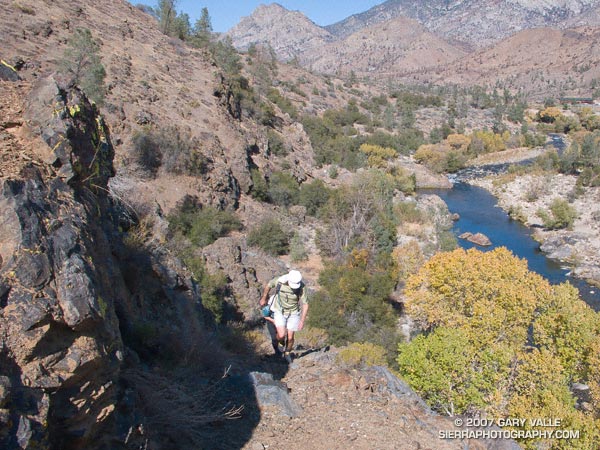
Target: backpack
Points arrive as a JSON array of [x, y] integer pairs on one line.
[[276, 295]]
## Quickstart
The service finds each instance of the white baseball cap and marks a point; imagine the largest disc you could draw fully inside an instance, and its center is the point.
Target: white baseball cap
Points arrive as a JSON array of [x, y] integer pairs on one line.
[[294, 279]]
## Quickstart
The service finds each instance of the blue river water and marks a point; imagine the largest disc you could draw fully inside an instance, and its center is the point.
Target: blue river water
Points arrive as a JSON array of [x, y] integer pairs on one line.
[[479, 213]]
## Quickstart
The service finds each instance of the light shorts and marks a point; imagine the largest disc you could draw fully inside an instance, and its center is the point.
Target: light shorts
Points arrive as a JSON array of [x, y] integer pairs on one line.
[[289, 321]]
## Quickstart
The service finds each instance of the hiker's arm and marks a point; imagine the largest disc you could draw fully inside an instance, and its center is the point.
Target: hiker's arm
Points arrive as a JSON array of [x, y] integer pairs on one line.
[[265, 295], [303, 317]]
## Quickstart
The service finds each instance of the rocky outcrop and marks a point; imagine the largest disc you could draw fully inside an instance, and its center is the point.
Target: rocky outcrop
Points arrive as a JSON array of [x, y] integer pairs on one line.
[[290, 33], [76, 303], [476, 238], [248, 270], [8, 72], [60, 344]]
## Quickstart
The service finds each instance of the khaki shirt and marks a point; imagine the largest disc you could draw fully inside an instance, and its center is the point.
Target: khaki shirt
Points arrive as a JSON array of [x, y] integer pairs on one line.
[[287, 301]]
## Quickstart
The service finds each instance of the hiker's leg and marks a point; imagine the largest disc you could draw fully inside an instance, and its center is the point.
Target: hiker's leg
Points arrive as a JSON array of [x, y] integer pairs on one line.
[[290, 341], [280, 330], [273, 335], [293, 324], [280, 325]]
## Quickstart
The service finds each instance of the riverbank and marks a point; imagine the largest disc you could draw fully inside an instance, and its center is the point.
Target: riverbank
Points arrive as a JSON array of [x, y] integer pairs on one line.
[[525, 195]]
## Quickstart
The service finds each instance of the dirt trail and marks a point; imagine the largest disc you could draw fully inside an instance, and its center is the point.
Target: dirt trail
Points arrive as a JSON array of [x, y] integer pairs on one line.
[[351, 408]]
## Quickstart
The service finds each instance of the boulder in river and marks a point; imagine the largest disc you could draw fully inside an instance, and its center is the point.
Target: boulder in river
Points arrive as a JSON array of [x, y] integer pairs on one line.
[[477, 238]]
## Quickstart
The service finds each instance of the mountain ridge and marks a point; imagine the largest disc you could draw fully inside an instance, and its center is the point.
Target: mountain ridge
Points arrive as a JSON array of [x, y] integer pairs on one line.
[[453, 41], [447, 18]]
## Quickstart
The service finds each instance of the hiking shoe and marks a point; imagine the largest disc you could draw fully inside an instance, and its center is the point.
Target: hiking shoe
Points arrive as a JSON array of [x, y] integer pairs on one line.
[[288, 357]]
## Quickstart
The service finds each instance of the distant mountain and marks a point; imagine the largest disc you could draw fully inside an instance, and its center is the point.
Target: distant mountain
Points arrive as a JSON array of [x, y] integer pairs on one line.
[[541, 61], [290, 33], [477, 23], [533, 45], [396, 46]]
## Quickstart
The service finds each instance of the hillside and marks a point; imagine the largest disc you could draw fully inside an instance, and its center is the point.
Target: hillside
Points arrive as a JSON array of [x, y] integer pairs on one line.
[[290, 33], [139, 229], [394, 47], [475, 23], [540, 62], [506, 44]]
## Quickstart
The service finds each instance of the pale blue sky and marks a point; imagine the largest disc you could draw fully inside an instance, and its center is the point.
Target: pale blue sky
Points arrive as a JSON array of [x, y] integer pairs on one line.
[[225, 14]]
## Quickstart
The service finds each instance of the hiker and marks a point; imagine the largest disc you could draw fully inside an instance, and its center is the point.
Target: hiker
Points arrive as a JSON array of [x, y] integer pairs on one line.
[[289, 306]]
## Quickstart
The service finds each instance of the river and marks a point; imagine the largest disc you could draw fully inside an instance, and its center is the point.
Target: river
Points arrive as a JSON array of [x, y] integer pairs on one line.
[[479, 213]]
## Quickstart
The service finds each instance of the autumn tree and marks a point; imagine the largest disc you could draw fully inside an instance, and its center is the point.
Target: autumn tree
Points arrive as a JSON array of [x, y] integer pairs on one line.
[[499, 339], [378, 156]]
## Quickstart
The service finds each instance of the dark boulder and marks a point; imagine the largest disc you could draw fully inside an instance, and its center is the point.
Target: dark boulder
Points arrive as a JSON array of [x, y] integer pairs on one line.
[[7, 72]]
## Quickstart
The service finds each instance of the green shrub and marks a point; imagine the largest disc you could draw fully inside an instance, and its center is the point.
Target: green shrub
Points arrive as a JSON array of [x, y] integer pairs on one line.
[[297, 90], [276, 144], [226, 57], [347, 116], [297, 249], [359, 216], [363, 354], [408, 212], [447, 241], [283, 189], [214, 288], [202, 225], [312, 337], [146, 152], [562, 215], [284, 104], [516, 213], [260, 187], [170, 149], [180, 153], [405, 182], [353, 305], [590, 176], [313, 196], [331, 143], [271, 237]]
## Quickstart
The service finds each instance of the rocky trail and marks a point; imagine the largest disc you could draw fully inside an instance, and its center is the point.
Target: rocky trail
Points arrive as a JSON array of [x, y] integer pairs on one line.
[[319, 402]]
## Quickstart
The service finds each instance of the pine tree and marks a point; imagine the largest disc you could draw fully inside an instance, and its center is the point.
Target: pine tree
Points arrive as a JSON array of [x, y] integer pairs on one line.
[[202, 32], [166, 14], [81, 62]]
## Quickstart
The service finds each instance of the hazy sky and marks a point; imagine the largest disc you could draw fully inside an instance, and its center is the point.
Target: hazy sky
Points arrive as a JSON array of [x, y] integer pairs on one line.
[[226, 13]]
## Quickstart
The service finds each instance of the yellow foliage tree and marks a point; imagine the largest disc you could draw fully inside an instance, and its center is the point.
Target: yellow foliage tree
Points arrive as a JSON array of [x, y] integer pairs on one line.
[[550, 114], [408, 259], [435, 157], [378, 156], [530, 339], [458, 142], [482, 291], [483, 141], [363, 354]]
